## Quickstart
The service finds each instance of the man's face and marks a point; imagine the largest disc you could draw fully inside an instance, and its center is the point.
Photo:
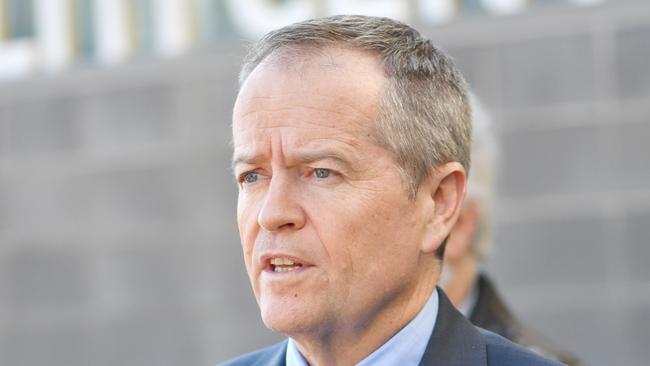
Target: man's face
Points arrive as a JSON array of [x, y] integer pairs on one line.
[[329, 235]]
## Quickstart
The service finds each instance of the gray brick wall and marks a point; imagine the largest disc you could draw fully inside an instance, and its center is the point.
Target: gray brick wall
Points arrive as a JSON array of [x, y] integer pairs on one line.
[[118, 241]]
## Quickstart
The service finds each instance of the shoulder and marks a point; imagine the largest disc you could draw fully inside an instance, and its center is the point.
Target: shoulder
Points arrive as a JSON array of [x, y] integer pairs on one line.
[[270, 356], [493, 314], [502, 352]]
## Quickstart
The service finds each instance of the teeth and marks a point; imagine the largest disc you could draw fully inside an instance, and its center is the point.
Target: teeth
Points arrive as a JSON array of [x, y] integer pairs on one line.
[[282, 262], [284, 269]]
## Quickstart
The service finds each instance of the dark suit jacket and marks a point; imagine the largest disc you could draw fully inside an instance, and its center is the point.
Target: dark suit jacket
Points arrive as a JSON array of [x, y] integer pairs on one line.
[[491, 313], [454, 342]]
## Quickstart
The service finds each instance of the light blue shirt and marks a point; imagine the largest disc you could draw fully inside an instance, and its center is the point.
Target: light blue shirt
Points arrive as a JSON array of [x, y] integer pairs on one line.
[[406, 348]]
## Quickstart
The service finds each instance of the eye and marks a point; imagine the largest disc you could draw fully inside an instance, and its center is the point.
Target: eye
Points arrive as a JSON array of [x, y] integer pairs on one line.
[[322, 173], [249, 177]]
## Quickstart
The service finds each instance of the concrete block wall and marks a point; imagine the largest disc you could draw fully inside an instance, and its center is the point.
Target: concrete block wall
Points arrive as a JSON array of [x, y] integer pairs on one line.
[[570, 97], [117, 229], [118, 242]]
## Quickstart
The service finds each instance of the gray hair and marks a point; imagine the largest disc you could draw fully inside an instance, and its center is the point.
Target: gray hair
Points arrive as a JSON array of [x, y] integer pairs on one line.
[[424, 116]]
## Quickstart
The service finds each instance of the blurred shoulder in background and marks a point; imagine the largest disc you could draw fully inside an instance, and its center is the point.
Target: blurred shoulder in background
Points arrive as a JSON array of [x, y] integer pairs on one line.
[[468, 286]]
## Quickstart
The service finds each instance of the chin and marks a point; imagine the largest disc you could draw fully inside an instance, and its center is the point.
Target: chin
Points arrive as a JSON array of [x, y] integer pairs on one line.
[[282, 323], [286, 319]]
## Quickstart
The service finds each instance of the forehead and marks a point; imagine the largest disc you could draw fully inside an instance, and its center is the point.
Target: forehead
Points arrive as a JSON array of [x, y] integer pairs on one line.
[[334, 90]]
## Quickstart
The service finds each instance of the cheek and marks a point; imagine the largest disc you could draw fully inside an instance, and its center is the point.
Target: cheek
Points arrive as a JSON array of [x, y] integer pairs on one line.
[[350, 237], [247, 211], [247, 225], [246, 222], [386, 235]]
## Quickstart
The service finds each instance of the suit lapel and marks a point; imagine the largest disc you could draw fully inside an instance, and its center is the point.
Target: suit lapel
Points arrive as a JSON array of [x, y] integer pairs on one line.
[[455, 341]]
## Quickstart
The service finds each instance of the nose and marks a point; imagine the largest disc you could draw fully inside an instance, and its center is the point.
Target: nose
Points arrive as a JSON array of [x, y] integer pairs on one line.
[[281, 209]]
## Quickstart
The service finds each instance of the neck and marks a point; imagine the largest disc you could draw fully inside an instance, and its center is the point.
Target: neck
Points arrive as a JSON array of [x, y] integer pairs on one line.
[[350, 342], [463, 276]]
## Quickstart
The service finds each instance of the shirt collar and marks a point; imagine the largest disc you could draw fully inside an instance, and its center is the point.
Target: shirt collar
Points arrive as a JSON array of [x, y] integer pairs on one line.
[[405, 348]]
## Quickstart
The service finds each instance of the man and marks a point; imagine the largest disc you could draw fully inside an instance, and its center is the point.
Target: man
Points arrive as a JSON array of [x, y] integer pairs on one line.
[[468, 288], [351, 143]]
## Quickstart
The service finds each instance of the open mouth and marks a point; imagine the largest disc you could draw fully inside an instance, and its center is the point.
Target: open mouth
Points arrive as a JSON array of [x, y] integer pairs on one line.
[[283, 264]]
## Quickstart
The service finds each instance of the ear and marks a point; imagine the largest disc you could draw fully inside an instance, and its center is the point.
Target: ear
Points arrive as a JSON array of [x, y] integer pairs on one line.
[[446, 189], [461, 239]]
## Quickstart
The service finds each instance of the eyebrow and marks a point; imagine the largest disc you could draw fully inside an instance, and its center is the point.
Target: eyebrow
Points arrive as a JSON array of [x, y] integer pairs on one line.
[[244, 159], [324, 154], [302, 157]]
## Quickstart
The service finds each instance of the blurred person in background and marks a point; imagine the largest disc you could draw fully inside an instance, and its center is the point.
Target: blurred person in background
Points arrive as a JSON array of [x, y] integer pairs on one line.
[[351, 140], [469, 288]]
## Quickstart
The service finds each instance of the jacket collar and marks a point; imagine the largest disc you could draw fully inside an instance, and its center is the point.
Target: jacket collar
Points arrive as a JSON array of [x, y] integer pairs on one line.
[[455, 341]]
